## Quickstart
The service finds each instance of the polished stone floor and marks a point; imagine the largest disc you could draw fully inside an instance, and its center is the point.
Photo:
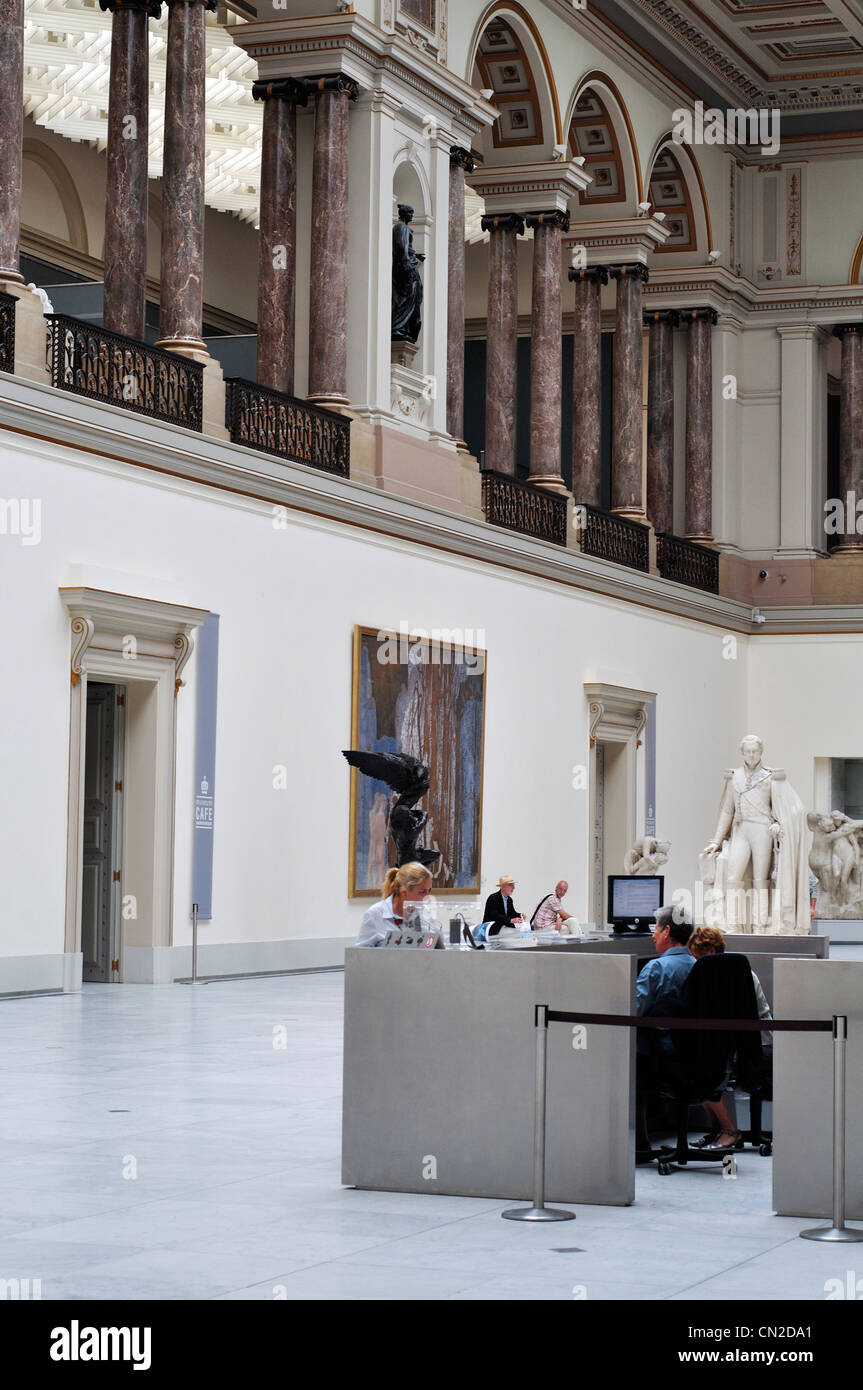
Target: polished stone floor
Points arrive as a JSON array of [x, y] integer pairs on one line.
[[183, 1143]]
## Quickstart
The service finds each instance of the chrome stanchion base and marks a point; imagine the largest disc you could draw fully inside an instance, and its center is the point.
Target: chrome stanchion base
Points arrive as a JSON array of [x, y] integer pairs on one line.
[[538, 1214], [845, 1235]]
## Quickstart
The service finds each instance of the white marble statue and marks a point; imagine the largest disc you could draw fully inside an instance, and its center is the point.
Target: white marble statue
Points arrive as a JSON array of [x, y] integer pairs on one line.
[[647, 856], [837, 862], [755, 869]]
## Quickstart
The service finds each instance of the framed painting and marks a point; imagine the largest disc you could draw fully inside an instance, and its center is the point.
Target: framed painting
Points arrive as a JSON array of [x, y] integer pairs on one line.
[[423, 694]]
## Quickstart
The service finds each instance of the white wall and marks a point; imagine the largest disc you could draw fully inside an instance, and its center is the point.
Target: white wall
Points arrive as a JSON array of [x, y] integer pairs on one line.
[[289, 600]]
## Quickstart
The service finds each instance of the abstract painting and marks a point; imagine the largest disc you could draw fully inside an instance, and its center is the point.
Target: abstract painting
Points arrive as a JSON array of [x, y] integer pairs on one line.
[[423, 694]]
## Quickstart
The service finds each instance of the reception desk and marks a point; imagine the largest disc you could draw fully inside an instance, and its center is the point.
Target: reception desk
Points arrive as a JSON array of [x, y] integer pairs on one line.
[[439, 1074]]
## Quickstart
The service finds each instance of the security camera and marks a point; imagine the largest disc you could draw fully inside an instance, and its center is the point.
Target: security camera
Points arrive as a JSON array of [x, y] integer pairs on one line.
[[487, 93], [713, 257], [659, 217], [762, 574], [644, 209], [758, 616], [579, 160], [559, 152]]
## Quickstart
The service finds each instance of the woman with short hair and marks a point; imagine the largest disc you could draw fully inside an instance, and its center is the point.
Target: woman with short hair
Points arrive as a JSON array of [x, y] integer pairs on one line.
[[411, 883]]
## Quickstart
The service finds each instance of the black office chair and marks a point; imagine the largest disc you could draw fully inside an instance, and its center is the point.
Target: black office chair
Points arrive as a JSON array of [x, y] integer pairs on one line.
[[718, 987]]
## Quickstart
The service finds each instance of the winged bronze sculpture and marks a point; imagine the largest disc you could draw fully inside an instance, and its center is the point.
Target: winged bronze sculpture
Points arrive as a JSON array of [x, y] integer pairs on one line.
[[410, 778]]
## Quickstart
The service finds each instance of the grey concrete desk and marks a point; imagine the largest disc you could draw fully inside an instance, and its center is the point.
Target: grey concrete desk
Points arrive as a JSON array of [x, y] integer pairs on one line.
[[439, 1074], [803, 1090]]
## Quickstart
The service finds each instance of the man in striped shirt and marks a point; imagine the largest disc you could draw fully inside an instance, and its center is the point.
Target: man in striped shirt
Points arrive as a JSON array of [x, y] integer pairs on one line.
[[550, 915]]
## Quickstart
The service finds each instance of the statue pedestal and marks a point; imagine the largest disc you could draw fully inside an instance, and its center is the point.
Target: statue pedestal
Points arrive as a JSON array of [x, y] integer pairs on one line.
[[412, 393], [402, 353]]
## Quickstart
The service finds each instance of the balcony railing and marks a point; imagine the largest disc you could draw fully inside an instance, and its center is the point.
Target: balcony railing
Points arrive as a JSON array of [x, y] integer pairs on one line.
[[611, 537], [688, 563], [122, 371], [289, 428], [524, 507], [7, 332]]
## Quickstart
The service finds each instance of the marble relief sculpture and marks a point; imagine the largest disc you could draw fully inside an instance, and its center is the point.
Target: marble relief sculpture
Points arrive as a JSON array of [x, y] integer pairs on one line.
[[836, 859], [647, 856], [755, 869], [407, 285]]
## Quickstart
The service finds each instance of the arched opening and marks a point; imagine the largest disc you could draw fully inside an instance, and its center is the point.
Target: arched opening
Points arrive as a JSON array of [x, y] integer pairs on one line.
[[510, 61], [675, 188], [601, 133], [49, 195]]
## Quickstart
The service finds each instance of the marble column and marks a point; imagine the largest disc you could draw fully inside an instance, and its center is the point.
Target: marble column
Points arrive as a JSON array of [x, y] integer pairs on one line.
[[501, 366], [587, 385], [181, 289], [546, 349], [460, 163], [699, 424], [851, 428], [11, 135], [277, 241], [125, 250], [328, 296], [627, 491], [661, 324]]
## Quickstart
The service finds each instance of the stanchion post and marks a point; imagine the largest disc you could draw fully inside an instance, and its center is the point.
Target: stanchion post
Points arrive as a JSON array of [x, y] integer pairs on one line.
[[838, 1231], [194, 943], [539, 1211]]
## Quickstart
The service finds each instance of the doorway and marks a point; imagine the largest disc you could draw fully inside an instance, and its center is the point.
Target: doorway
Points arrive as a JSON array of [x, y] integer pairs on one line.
[[102, 846]]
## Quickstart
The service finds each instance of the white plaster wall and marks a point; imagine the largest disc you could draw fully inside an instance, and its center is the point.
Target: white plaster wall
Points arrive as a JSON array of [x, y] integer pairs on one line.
[[288, 601], [804, 702], [834, 218]]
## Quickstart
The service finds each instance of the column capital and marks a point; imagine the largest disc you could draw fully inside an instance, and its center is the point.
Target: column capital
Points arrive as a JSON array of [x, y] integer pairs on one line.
[[842, 328], [554, 218], [504, 222], [633, 271], [211, 5], [461, 158], [334, 82], [669, 316], [285, 88], [698, 316], [594, 274], [151, 7]]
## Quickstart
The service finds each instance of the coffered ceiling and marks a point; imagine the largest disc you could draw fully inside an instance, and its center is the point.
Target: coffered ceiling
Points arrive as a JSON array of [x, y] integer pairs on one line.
[[804, 57]]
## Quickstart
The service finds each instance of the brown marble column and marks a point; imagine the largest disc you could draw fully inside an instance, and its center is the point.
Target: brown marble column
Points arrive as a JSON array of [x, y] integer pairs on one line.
[[627, 492], [460, 163], [181, 290], [125, 250], [546, 349], [328, 298], [851, 428], [277, 241], [660, 420], [11, 135], [587, 385], [501, 363], [699, 424]]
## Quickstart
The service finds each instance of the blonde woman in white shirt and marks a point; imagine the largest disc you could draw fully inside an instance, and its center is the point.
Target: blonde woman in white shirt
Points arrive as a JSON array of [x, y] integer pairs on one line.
[[412, 883]]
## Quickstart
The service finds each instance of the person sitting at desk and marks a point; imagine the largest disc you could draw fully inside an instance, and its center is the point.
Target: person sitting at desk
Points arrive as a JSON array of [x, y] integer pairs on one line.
[[500, 909], [551, 914], [658, 993], [724, 1134], [412, 883]]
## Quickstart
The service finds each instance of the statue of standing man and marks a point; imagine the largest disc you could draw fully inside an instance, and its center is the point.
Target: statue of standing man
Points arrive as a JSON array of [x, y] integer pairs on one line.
[[757, 859], [407, 285]]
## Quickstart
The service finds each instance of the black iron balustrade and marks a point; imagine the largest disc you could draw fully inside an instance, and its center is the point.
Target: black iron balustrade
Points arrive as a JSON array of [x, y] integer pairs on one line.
[[291, 429], [612, 537], [534, 511], [121, 371], [7, 332], [688, 563]]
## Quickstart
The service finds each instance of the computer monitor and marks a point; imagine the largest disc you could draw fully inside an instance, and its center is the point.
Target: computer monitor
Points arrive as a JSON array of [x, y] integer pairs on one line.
[[632, 901]]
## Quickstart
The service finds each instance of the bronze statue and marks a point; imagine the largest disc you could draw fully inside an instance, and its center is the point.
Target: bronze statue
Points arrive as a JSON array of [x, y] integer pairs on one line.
[[410, 778], [407, 285]]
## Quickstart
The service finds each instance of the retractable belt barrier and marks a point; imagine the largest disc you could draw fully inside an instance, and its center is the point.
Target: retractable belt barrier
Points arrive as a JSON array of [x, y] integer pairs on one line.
[[837, 1025]]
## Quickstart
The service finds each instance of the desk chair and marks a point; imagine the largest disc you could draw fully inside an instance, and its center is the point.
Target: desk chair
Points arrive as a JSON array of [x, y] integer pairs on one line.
[[717, 987]]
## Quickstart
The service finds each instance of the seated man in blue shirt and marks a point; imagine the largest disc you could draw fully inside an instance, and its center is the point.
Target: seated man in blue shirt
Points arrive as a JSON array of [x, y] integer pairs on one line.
[[658, 993]]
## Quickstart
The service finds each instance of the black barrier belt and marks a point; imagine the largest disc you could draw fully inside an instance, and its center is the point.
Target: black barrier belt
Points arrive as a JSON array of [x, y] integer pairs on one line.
[[735, 1025]]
